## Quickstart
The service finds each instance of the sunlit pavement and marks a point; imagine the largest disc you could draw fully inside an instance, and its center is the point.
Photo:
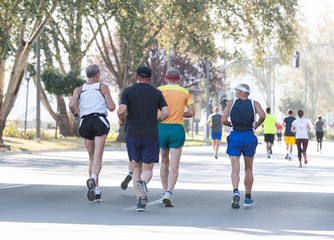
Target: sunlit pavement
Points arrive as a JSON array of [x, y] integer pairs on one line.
[[43, 195]]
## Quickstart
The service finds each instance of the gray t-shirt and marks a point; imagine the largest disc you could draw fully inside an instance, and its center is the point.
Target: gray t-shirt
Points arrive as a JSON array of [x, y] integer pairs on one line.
[[318, 126], [216, 122]]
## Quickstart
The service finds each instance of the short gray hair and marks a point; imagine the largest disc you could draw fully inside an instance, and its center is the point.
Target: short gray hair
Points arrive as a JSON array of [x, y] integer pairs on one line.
[[92, 70]]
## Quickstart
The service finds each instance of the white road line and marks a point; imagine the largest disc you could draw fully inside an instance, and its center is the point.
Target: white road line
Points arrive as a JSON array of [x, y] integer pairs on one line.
[[13, 186], [148, 204]]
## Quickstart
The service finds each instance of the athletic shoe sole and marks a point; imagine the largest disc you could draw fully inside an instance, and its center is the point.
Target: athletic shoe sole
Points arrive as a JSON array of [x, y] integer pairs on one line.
[[91, 187], [125, 183], [235, 201], [167, 202], [142, 193]]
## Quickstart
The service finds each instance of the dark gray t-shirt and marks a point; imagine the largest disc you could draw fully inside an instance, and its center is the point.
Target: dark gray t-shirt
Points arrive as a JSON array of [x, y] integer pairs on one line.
[[216, 120], [143, 102], [319, 126]]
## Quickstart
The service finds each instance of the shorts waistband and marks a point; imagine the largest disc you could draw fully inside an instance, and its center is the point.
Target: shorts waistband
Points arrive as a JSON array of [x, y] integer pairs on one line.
[[94, 115]]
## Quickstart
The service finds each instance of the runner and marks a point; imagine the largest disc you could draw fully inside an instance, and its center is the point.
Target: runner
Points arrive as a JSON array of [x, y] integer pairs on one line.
[[95, 99], [279, 132], [138, 107], [242, 139], [319, 132], [289, 137], [216, 126], [171, 132], [301, 127], [269, 130]]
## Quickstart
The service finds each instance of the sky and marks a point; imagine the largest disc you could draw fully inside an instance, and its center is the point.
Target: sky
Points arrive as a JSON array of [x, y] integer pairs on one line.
[[310, 8]]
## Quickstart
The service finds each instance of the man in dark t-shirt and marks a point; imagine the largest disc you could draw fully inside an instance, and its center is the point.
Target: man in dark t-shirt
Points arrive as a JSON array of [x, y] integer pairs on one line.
[[139, 107], [289, 136]]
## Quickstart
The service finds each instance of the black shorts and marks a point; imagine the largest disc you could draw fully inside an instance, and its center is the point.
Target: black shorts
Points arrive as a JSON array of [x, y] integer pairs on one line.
[[269, 138], [94, 125]]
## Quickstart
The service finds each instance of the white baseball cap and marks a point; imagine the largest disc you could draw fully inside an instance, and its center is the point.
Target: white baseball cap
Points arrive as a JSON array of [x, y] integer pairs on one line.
[[242, 87]]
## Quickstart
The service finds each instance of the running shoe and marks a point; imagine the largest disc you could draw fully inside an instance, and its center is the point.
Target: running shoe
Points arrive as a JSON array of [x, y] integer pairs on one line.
[[91, 189], [167, 199], [125, 183], [300, 164], [248, 202], [235, 200], [142, 189], [98, 197], [290, 159], [162, 198], [140, 207], [268, 156]]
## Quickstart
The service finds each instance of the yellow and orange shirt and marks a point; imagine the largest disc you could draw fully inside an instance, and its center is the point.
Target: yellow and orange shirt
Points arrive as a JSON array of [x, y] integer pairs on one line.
[[174, 96]]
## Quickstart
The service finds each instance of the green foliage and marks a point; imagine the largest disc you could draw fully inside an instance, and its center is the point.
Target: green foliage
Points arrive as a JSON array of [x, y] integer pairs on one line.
[[12, 130], [58, 84], [290, 103]]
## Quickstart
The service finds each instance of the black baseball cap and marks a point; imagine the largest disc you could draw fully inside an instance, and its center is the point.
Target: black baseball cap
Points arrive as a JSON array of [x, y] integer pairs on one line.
[[144, 71]]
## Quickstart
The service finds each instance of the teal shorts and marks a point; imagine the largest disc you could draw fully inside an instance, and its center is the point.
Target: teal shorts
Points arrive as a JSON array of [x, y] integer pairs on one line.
[[171, 135]]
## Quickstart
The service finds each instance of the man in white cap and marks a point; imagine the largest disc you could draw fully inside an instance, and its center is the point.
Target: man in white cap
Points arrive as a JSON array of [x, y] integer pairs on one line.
[[242, 140]]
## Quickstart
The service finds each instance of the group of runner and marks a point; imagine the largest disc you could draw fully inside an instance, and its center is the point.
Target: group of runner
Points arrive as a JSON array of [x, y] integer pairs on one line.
[[153, 120]]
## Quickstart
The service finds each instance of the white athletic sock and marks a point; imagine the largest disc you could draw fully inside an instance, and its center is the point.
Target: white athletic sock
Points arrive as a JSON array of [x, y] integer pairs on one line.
[[94, 177], [97, 190]]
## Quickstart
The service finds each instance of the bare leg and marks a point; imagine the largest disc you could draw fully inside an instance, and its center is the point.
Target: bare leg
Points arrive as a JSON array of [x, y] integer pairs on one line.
[[175, 156], [235, 175], [89, 144], [249, 178], [98, 154], [164, 168]]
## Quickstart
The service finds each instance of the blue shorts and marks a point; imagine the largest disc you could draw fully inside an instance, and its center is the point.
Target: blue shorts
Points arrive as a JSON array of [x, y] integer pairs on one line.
[[241, 143], [216, 135], [142, 149], [171, 135]]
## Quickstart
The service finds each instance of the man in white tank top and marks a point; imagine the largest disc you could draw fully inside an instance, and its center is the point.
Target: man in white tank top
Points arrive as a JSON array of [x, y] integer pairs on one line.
[[95, 100]]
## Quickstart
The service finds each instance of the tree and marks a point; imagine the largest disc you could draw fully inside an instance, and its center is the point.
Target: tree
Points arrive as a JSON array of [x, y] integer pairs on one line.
[[22, 23], [66, 41], [189, 26]]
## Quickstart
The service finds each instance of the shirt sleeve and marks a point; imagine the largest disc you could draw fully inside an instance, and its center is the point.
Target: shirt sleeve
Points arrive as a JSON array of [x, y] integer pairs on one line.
[[189, 99], [124, 98], [162, 102]]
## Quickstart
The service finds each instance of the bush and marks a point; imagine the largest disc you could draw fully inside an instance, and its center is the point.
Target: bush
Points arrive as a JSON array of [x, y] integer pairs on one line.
[[12, 130]]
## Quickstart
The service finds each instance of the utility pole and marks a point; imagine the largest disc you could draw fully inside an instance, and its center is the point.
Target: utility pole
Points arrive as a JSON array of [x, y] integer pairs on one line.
[[38, 91], [207, 97]]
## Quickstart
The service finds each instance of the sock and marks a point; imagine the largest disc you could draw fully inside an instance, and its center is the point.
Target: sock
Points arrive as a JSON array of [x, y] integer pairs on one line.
[[94, 177], [248, 195], [170, 192], [216, 153], [97, 190]]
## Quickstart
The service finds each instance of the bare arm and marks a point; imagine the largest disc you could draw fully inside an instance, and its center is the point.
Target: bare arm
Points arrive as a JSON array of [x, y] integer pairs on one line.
[[261, 113], [73, 101], [191, 111], [121, 113], [293, 128], [164, 114], [106, 93], [226, 114]]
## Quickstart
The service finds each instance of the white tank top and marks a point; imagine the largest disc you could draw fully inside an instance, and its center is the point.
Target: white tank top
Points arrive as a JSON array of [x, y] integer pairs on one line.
[[92, 100]]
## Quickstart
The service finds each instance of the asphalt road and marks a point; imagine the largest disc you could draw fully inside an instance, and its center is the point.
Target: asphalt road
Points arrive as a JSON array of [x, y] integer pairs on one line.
[[43, 195]]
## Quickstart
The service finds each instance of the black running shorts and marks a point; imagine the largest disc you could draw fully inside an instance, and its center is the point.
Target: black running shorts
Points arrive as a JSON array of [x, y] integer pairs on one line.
[[92, 126], [269, 138]]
